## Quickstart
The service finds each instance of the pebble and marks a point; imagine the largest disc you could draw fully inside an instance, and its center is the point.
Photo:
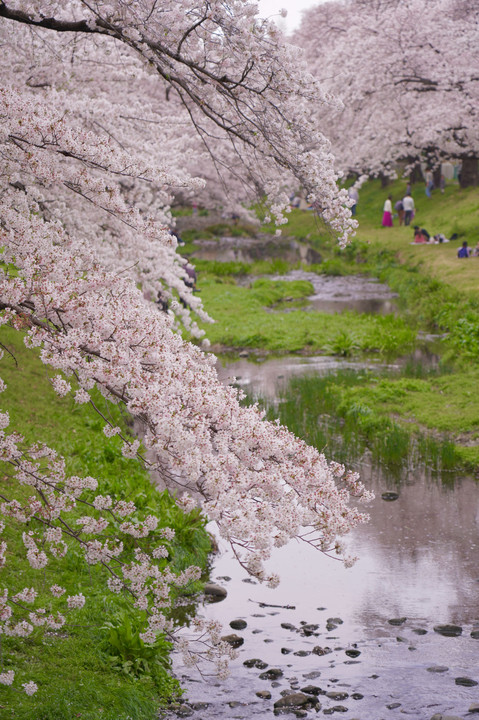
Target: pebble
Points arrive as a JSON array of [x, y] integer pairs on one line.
[[393, 706], [339, 708], [292, 700], [337, 695], [440, 716], [286, 651], [448, 630], [357, 696], [234, 640], [271, 674], [215, 591], [255, 662], [466, 682], [321, 651], [309, 629], [437, 668], [302, 653], [419, 631], [264, 694], [312, 675], [238, 624], [200, 705], [353, 653], [312, 690], [475, 634], [249, 581], [390, 496], [397, 621], [474, 708], [287, 626]]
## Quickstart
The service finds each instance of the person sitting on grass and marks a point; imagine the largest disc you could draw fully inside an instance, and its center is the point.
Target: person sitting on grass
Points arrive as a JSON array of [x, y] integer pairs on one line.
[[463, 251], [475, 252], [421, 235]]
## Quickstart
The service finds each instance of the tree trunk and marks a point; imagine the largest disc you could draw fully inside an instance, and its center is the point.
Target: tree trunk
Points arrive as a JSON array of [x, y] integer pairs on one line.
[[416, 174], [385, 180], [469, 174], [436, 174]]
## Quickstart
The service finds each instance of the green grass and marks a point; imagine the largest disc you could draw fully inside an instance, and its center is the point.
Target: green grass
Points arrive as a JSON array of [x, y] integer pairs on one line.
[[244, 320], [346, 413], [81, 670]]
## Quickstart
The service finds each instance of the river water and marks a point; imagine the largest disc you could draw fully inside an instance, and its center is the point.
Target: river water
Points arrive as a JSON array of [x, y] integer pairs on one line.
[[376, 651]]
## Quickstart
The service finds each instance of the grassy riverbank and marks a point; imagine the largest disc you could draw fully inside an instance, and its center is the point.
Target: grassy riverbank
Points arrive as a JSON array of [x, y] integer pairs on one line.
[[437, 293], [96, 666]]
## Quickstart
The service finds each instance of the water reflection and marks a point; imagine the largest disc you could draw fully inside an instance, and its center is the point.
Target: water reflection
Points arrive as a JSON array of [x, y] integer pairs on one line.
[[417, 566]]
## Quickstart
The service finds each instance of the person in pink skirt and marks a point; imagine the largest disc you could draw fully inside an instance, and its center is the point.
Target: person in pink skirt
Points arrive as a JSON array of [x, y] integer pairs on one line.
[[388, 212]]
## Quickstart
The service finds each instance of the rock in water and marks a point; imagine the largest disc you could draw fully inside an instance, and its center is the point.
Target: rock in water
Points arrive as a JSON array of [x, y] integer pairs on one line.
[[214, 591], [291, 701], [234, 640], [448, 630]]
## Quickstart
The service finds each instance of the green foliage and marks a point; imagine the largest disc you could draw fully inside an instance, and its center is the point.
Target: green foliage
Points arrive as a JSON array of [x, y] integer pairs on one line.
[[348, 413], [126, 652], [71, 667]]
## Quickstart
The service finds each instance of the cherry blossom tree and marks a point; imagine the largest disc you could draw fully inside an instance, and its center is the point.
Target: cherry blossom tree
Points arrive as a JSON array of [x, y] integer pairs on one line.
[[408, 75], [92, 151]]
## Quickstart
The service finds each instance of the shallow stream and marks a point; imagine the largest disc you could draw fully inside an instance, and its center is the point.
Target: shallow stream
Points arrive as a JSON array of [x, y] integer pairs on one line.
[[367, 642]]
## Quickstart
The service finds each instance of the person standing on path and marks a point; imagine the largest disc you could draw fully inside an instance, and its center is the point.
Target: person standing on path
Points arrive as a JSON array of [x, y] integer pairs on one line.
[[408, 205], [388, 212]]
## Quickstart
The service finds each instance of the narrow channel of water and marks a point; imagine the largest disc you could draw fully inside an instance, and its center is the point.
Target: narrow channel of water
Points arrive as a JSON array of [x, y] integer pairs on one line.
[[417, 570]]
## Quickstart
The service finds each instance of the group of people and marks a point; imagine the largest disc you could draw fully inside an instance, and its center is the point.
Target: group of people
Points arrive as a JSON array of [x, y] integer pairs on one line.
[[404, 209]]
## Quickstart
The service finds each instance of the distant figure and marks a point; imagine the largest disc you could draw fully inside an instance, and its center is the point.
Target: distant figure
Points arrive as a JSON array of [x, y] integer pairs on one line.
[[354, 195], [463, 251], [441, 238], [475, 252], [408, 205], [388, 213], [442, 183], [429, 182], [408, 189], [399, 208], [421, 235]]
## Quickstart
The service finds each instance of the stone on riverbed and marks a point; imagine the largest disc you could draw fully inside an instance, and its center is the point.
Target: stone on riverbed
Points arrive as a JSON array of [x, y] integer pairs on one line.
[[440, 716], [437, 668], [215, 591], [390, 496], [291, 701], [448, 630], [397, 621], [317, 650], [337, 695], [264, 694], [312, 690], [466, 682], [238, 624], [255, 662], [309, 629], [475, 634], [271, 674], [234, 640]]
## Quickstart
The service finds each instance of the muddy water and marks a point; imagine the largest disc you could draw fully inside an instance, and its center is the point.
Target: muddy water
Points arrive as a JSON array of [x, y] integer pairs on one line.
[[417, 569]]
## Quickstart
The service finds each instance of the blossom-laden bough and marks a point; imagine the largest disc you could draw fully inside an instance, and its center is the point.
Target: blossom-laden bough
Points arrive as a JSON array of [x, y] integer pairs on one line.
[[86, 248]]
